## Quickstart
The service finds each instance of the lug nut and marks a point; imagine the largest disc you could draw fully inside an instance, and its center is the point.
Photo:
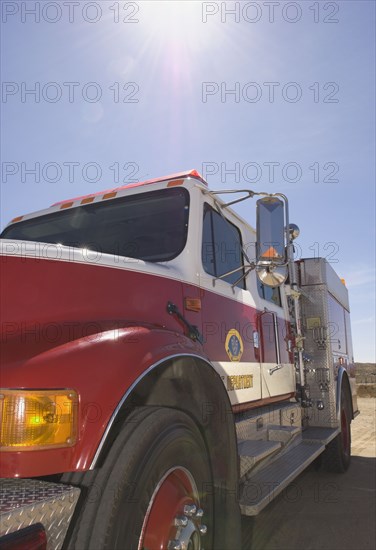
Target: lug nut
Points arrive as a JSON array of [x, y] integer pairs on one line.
[[181, 521], [203, 529], [190, 510], [199, 513], [174, 545]]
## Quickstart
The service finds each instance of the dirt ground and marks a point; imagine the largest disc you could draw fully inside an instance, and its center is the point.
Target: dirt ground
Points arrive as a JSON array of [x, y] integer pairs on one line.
[[322, 511]]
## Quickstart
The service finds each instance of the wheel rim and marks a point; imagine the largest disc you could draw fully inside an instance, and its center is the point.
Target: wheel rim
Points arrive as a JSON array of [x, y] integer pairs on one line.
[[173, 517], [345, 433]]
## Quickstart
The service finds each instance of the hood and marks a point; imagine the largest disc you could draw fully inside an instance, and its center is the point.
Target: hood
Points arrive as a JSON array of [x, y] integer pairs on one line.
[[47, 302]]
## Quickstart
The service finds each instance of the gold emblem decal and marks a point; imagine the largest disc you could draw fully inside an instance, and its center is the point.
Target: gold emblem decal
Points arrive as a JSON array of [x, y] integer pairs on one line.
[[234, 345], [240, 382]]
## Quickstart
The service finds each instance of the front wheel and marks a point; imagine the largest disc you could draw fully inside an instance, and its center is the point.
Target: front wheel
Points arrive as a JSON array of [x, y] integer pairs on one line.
[[337, 456], [154, 490]]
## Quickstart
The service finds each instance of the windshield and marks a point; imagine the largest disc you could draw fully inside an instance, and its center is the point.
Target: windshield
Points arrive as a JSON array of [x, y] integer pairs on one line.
[[148, 226]]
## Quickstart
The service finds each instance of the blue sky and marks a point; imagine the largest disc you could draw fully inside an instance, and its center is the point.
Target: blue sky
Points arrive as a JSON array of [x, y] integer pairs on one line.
[[134, 90]]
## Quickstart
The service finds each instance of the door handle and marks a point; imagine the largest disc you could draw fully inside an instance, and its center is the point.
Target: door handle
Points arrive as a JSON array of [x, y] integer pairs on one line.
[[274, 369]]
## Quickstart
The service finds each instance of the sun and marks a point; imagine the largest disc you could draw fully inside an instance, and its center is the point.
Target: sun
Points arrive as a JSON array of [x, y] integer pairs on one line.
[[177, 23]]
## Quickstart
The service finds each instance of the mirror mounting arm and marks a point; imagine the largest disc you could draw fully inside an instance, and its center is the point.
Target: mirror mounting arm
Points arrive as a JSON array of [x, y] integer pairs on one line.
[[249, 195]]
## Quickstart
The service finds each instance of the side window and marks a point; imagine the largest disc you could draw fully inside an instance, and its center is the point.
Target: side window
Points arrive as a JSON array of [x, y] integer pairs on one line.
[[221, 247], [267, 293]]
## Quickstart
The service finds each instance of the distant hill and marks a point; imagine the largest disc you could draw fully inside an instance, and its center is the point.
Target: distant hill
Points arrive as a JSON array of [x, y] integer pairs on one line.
[[365, 376], [365, 373]]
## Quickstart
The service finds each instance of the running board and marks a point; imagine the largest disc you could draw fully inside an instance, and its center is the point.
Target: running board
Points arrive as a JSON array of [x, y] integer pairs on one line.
[[322, 435], [260, 489], [252, 452]]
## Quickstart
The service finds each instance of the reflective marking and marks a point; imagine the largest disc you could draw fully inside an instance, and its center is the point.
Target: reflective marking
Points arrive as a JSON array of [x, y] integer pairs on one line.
[[240, 382]]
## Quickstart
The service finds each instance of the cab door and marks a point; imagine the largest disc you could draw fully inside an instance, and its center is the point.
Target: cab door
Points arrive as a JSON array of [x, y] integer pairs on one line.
[[228, 312], [277, 369]]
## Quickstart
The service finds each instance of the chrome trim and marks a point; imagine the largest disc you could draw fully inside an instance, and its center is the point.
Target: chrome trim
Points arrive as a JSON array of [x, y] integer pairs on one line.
[[129, 390], [276, 337]]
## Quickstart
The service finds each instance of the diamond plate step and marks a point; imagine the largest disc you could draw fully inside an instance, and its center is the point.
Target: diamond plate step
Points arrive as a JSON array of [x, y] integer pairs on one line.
[[283, 433], [251, 452], [259, 490], [253, 424], [24, 502], [323, 435]]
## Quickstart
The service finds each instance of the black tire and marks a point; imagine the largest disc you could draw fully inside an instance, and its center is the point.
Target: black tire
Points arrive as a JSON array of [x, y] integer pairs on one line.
[[337, 455], [117, 498], [247, 525]]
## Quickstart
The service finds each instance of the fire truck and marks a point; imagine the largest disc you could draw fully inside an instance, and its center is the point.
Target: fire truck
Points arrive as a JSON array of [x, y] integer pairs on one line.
[[165, 368]]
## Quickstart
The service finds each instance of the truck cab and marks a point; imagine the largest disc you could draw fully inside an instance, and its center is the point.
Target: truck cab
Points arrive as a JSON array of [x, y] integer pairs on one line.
[[151, 326]]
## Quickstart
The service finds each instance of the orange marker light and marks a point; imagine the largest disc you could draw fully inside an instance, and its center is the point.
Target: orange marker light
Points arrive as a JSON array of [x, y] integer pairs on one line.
[[87, 200], [37, 419], [192, 304], [110, 195], [66, 205], [18, 219], [173, 183]]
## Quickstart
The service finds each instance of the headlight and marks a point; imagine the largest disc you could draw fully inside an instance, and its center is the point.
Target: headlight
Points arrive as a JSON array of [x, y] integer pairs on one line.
[[37, 419]]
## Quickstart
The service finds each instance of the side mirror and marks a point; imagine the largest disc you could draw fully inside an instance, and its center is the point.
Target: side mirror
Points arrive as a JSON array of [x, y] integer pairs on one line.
[[270, 230], [271, 260]]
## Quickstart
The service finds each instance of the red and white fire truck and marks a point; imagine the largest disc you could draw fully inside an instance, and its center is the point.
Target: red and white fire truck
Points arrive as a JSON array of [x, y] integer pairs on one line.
[[165, 368]]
